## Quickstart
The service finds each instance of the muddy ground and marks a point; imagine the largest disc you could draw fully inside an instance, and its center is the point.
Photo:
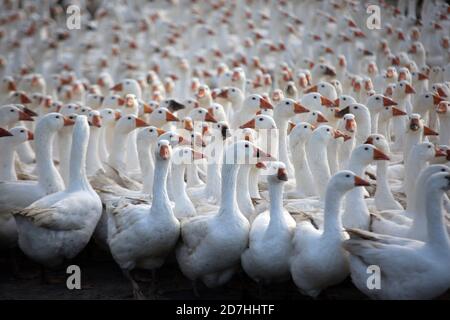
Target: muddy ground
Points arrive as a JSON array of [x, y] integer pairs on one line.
[[102, 279]]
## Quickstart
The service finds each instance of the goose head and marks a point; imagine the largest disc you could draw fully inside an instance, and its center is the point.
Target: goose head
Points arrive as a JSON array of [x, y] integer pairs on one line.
[[19, 97], [301, 132], [344, 101], [162, 115], [323, 70], [428, 100], [316, 118], [84, 110], [254, 102], [8, 85], [69, 108], [171, 136], [128, 123], [376, 102], [185, 155], [259, 122], [439, 181], [11, 114], [379, 141], [94, 100], [95, 119], [221, 130], [325, 133], [204, 95], [365, 154], [346, 180], [441, 89], [276, 172], [201, 114], [196, 139], [232, 94], [359, 110], [277, 96], [416, 124], [443, 109], [126, 86], [349, 123], [191, 104], [404, 89], [17, 135], [172, 105], [426, 151], [131, 101], [326, 89], [163, 150], [148, 135], [217, 111], [113, 101], [109, 115], [316, 101], [245, 152], [54, 122], [288, 108]]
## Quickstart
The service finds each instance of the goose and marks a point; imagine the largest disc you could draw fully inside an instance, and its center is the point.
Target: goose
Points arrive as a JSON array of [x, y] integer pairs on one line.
[[251, 105], [284, 110], [266, 260], [8, 142], [443, 113], [109, 118], [316, 152], [10, 114], [224, 234], [383, 199], [318, 259], [349, 128], [57, 227], [141, 236], [182, 156], [362, 117], [93, 162], [298, 138], [16, 195], [400, 258], [411, 222], [375, 104], [356, 212]]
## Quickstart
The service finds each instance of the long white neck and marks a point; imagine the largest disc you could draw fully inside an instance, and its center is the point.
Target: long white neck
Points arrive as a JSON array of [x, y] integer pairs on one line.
[[7, 170], [414, 165], [364, 128], [118, 153], [412, 138], [147, 166], [444, 130], [64, 143], [243, 195], [228, 203], [332, 226], [383, 191], [93, 162], [178, 185], [49, 177], [437, 233], [303, 175], [318, 161], [78, 178], [277, 217], [161, 202]]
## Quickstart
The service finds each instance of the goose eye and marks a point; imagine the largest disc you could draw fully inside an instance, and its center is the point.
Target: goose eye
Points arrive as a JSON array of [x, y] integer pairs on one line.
[[57, 117], [159, 111], [129, 118], [443, 170], [233, 90], [22, 131], [109, 112], [261, 119], [306, 127], [366, 148], [429, 147], [151, 130], [12, 110], [387, 108], [253, 98], [355, 108], [328, 130], [378, 138], [427, 96], [377, 98], [345, 99], [185, 151], [246, 145], [347, 176], [315, 97], [314, 114], [114, 98], [70, 107]]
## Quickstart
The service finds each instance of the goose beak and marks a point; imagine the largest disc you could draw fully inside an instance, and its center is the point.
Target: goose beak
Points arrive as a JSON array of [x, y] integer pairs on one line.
[[261, 155], [140, 123], [164, 152], [338, 134], [282, 174], [311, 89], [291, 126], [369, 141], [350, 125], [68, 122], [423, 77], [198, 155], [24, 99], [298, 108], [440, 153], [343, 112], [5, 133], [160, 131], [437, 99], [442, 108], [326, 102], [441, 93], [30, 135], [396, 112], [210, 118], [171, 117], [260, 165], [223, 94], [387, 102], [379, 155], [330, 72], [250, 124], [360, 182], [429, 132], [337, 102], [97, 121], [117, 115], [117, 87], [23, 116], [321, 118], [264, 104], [147, 108], [225, 132], [188, 125], [409, 89]]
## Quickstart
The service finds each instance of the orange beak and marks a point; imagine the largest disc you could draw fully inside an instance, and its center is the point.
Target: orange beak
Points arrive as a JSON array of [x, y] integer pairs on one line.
[[5, 133], [350, 125], [397, 112], [442, 108], [440, 153], [160, 131], [282, 174], [117, 87], [147, 108], [311, 89], [223, 94], [249, 124], [97, 121], [24, 116], [423, 76], [140, 123], [171, 117], [437, 99], [379, 155], [121, 101], [298, 108], [68, 122], [429, 132], [337, 102], [12, 86], [291, 126], [264, 104], [409, 89], [24, 99], [369, 141], [326, 102], [117, 115], [441, 92], [210, 118], [201, 93], [321, 118], [360, 182], [338, 134], [188, 125], [387, 102], [30, 135], [164, 152]]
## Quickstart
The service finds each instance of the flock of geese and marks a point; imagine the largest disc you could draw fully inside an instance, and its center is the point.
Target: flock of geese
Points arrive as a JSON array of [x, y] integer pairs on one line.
[[284, 138]]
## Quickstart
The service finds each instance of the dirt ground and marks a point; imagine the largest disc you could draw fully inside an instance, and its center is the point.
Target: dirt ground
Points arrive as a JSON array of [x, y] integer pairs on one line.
[[101, 279]]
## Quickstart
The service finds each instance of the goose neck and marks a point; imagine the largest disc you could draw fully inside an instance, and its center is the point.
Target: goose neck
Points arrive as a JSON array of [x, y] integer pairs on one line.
[[276, 204], [160, 196], [78, 178], [437, 233], [228, 204], [332, 219], [7, 171]]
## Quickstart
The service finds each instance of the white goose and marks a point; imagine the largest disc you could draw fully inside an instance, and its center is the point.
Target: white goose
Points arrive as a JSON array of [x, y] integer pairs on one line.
[[318, 260], [411, 269], [58, 226], [224, 234], [270, 242], [8, 143], [142, 236]]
